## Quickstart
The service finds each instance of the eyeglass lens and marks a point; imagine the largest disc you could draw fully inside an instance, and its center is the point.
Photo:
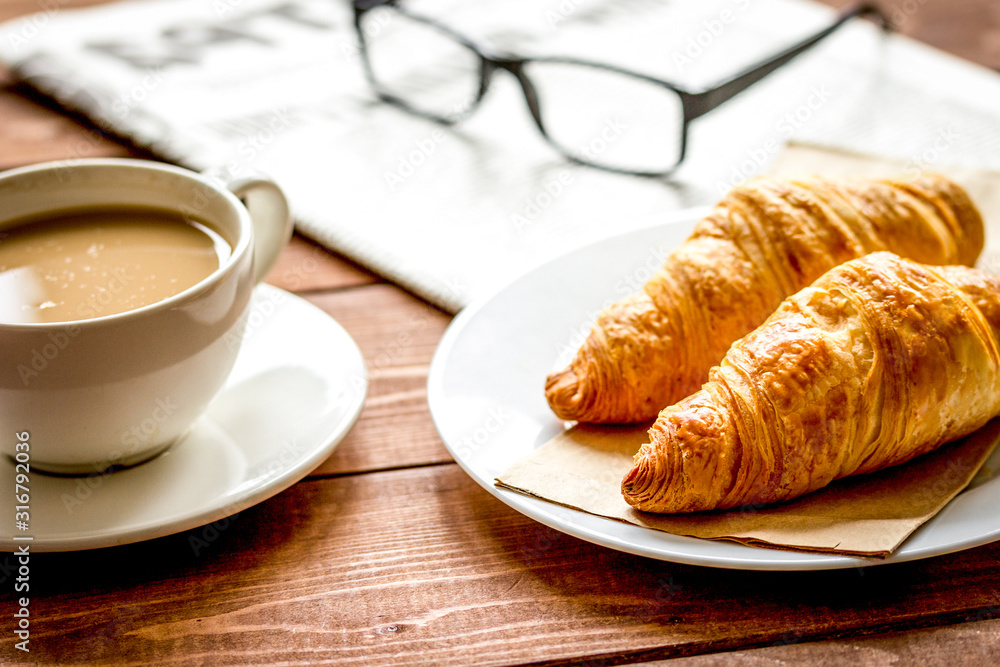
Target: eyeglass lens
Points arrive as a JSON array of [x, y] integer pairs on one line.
[[418, 64], [608, 118]]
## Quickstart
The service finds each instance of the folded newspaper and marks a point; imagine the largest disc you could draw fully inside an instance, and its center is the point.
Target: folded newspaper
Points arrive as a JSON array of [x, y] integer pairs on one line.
[[277, 86]]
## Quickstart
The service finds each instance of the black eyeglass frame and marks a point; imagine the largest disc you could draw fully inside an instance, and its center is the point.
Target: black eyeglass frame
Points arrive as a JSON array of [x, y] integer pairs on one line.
[[694, 104]]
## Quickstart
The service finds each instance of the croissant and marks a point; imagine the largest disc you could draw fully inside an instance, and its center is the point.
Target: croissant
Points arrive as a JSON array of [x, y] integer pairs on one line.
[[882, 359], [764, 241]]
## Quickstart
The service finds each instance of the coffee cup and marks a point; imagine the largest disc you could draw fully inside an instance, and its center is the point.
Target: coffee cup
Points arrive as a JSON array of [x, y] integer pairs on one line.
[[98, 385]]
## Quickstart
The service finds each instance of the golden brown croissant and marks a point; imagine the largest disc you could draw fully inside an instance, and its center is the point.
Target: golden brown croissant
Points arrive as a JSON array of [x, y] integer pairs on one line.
[[764, 241], [880, 360]]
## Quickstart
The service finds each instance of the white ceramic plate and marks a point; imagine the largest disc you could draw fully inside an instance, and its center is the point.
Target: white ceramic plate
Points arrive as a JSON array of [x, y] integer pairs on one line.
[[296, 390], [486, 397]]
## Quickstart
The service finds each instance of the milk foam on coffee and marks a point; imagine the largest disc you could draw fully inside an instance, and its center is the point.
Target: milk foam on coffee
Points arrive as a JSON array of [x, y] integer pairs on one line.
[[91, 263]]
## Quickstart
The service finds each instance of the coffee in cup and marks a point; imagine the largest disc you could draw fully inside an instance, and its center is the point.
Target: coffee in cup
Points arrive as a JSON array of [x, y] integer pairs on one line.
[[80, 264]]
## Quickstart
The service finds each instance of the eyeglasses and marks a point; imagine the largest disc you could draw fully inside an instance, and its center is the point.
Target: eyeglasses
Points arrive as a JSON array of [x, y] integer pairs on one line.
[[594, 114]]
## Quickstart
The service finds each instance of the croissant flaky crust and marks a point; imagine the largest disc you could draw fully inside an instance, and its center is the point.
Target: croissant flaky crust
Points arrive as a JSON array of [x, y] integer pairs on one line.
[[763, 242], [879, 361]]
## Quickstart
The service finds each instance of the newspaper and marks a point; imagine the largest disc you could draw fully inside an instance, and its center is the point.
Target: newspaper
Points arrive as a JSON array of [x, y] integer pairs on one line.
[[451, 212]]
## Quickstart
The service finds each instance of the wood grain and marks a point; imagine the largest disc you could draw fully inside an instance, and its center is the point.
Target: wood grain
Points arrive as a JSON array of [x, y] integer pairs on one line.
[[976, 643], [377, 569], [13, 8], [306, 267], [397, 334], [969, 29], [31, 133]]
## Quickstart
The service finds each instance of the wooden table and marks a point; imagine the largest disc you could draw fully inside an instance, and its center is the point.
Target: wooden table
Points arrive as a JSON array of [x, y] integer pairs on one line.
[[389, 554]]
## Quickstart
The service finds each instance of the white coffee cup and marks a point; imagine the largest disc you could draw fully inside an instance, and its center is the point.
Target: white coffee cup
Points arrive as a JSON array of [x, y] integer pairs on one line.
[[116, 390]]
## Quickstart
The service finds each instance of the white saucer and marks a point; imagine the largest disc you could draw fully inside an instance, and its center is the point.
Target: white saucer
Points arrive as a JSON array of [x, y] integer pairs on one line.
[[296, 390]]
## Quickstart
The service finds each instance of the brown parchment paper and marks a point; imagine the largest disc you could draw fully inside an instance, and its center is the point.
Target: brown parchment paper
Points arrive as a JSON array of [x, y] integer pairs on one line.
[[868, 515]]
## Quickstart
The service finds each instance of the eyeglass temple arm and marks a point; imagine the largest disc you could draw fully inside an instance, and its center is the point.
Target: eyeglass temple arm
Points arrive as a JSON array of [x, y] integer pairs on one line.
[[365, 5], [702, 103]]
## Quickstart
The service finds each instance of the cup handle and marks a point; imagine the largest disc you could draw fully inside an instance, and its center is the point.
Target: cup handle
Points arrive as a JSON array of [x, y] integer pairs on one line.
[[272, 220]]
